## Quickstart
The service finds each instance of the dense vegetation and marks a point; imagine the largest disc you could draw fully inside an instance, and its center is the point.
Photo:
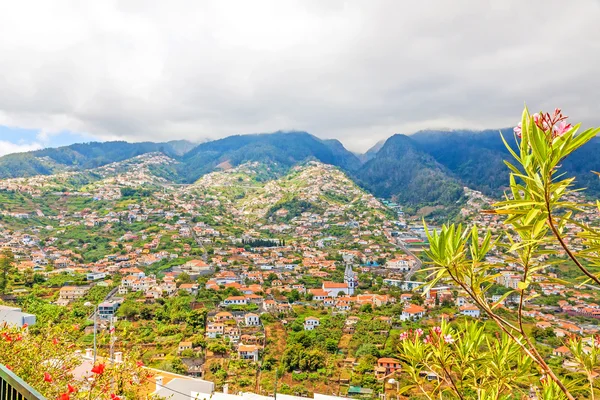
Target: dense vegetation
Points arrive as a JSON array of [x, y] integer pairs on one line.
[[476, 158], [294, 206], [402, 171], [280, 149]]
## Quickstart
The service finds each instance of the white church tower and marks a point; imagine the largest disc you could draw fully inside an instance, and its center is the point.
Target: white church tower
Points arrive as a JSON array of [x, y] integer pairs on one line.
[[350, 279]]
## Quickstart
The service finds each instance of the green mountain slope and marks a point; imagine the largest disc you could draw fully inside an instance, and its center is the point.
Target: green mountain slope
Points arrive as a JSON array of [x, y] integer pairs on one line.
[[476, 158], [281, 149], [402, 171], [78, 157]]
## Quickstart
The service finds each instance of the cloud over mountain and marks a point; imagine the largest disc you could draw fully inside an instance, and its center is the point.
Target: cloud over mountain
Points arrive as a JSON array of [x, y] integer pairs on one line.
[[352, 70]]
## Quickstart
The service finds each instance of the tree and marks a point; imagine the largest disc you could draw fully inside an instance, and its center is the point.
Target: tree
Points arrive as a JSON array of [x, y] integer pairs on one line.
[[331, 345], [196, 318], [293, 296], [312, 360], [217, 347], [366, 308], [184, 277], [7, 260], [540, 213]]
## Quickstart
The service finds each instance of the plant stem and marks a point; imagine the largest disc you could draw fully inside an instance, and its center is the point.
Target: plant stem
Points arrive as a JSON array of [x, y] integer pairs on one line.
[[529, 349], [567, 250]]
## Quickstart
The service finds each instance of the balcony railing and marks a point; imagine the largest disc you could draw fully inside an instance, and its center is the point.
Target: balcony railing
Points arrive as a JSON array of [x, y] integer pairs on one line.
[[13, 388]]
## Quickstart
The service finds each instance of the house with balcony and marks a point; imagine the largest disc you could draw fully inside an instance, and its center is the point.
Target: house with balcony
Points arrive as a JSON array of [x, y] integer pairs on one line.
[[248, 352], [108, 309], [252, 319], [69, 293]]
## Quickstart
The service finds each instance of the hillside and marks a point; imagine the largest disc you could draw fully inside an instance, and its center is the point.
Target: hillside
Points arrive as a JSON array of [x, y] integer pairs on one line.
[[150, 169], [76, 157], [371, 153], [476, 158], [313, 187], [281, 149], [427, 168], [402, 171]]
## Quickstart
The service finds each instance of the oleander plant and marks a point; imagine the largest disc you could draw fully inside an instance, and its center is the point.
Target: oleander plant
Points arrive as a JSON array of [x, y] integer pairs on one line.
[[499, 358]]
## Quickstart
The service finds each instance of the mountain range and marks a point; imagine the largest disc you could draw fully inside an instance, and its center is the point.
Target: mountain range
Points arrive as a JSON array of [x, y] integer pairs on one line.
[[426, 168]]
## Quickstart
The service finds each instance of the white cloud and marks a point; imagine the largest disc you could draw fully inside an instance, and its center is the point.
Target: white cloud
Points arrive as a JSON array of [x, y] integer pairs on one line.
[[354, 70], [8, 147]]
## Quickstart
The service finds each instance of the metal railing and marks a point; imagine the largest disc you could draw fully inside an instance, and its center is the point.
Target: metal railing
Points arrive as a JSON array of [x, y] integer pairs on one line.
[[14, 388]]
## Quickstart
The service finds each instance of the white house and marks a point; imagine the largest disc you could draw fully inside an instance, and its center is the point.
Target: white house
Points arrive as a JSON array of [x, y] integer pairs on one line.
[[412, 312], [399, 264], [334, 288], [248, 352], [470, 310], [252, 319], [311, 323], [235, 300], [214, 329]]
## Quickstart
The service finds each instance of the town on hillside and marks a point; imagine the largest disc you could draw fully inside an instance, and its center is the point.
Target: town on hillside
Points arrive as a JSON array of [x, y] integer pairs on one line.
[[299, 285]]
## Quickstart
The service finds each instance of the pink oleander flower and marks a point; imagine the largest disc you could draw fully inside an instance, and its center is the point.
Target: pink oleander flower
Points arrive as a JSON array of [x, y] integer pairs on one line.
[[448, 339], [518, 130], [561, 128], [418, 332], [427, 339], [437, 329], [404, 336], [554, 124]]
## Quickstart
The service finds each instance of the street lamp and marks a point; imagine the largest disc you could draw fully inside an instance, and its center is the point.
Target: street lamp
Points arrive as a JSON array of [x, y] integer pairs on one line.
[[393, 381], [88, 304]]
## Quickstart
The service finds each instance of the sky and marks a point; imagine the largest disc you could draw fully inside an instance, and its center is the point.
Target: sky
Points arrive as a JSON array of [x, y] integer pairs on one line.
[[359, 71]]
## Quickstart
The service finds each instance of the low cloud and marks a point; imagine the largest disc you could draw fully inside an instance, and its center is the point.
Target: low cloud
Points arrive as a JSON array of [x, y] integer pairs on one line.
[[8, 147], [353, 70]]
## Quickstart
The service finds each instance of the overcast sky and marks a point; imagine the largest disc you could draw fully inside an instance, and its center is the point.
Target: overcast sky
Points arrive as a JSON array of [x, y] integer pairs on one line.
[[358, 71]]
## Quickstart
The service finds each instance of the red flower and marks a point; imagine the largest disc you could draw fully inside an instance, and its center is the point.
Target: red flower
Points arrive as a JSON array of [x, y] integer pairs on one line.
[[64, 396], [114, 397], [140, 364], [98, 369], [8, 367], [47, 377], [55, 341], [71, 388], [25, 326]]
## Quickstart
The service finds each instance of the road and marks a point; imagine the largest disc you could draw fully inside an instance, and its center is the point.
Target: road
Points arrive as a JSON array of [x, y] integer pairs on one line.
[[418, 263]]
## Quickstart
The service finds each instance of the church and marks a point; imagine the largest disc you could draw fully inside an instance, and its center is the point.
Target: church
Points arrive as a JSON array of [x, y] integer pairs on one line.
[[350, 284]]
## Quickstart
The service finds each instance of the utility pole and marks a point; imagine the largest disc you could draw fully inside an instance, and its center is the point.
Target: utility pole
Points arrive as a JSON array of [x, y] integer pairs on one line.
[[112, 338], [276, 376], [95, 330], [88, 304]]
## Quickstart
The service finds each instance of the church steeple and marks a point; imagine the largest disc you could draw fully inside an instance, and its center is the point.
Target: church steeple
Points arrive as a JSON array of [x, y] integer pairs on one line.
[[350, 279]]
